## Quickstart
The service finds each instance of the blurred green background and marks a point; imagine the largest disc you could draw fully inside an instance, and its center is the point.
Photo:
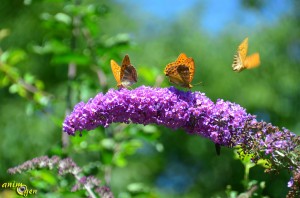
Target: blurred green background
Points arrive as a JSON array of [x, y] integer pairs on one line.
[[55, 53]]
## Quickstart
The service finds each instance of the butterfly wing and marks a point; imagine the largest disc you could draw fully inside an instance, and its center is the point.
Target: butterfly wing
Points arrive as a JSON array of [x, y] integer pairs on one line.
[[237, 64], [191, 65], [243, 49], [125, 63], [181, 72], [184, 73], [240, 56], [116, 69], [252, 61], [182, 58], [172, 73], [176, 79], [172, 67], [241, 61], [128, 73], [130, 76]]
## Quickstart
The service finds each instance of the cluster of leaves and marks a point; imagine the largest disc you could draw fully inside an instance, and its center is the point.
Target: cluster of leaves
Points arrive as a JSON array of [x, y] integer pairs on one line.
[[74, 39], [26, 84]]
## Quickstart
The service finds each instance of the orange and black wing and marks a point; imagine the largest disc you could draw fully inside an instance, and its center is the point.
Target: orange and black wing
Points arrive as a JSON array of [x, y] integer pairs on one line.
[[128, 73]]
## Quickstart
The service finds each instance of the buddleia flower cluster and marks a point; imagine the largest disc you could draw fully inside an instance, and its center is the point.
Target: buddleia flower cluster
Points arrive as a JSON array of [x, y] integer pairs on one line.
[[66, 166], [223, 122]]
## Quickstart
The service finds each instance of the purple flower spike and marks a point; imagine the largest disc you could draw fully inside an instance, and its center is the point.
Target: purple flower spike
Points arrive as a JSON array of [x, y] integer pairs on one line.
[[222, 122]]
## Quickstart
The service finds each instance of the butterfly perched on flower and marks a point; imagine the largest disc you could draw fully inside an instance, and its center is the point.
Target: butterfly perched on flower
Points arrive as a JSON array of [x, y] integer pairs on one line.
[[181, 72], [126, 74], [241, 61]]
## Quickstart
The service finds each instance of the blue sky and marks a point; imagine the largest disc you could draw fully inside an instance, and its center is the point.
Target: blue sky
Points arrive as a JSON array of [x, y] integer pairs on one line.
[[212, 14]]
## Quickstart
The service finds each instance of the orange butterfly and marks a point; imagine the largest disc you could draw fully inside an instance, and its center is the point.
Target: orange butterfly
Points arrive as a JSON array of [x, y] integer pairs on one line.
[[181, 72], [241, 61], [126, 74]]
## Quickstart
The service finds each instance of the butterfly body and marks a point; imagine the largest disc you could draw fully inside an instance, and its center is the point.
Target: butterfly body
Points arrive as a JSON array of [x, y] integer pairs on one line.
[[241, 61], [129, 76], [126, 74], [181, 72]]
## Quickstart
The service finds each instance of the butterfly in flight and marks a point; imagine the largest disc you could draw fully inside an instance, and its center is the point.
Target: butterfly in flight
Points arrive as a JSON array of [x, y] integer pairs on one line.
[[241, 61], [126, 74], [181, 72]]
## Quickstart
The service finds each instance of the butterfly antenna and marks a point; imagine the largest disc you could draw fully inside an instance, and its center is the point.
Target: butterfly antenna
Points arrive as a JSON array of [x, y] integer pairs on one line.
[[199, 83]]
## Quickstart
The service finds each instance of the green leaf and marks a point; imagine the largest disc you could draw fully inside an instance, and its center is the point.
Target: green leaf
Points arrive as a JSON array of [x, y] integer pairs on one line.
[[22, 91], [108, 143], [137, 188], [159, 147], [29, 109], [264, 163], [4, 33], [13, 88], [13, 57], [150, 129], [51, 46], [45, 178], [29, 78], [117, 40], [46, 16], [107, 157], [4, 81], [40, 98], [131, 146], [27, 2], [124, 195], [64, 18], [120, 160], [71, 58], [39, 84]]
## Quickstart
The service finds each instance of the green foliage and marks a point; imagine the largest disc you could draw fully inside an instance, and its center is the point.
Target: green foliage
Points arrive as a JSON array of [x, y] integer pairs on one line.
[[57, 53]]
